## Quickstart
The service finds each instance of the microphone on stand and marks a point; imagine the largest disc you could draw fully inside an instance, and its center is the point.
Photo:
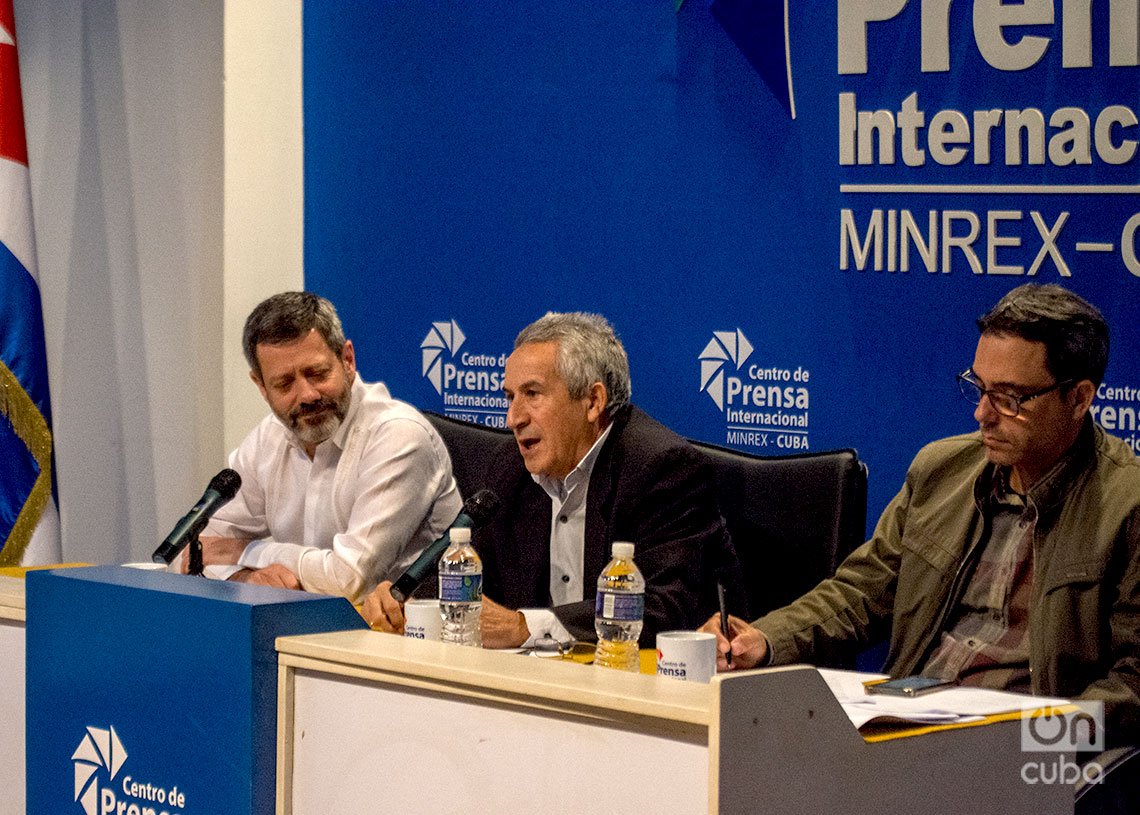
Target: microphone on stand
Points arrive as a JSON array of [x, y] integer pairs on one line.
[[223, 487], [477, 510]]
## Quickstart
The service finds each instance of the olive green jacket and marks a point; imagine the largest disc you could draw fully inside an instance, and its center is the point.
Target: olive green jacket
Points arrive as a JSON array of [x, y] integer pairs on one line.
[[1084, 625]]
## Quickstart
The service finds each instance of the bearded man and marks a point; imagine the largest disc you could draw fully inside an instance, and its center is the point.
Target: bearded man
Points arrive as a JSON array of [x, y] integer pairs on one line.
[[342, 485]]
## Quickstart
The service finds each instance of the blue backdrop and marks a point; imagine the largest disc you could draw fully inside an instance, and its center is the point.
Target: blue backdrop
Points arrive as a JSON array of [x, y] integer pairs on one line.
[[792, 229]]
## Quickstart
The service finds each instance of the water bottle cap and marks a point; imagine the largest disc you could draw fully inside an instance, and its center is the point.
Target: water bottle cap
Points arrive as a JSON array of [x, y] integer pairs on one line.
[[622, 549], [461, 535]]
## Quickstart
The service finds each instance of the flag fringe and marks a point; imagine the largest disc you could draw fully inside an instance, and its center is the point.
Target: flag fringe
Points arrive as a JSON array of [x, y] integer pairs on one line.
[[32, 429]]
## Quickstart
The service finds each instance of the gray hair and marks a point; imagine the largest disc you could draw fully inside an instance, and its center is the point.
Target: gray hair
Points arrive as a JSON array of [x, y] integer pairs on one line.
[[1073, 330], [589, 351], [288, 316]]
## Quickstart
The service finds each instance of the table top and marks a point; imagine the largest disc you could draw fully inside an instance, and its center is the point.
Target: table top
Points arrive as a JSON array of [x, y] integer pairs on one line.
[[514, 674], [12, 598]]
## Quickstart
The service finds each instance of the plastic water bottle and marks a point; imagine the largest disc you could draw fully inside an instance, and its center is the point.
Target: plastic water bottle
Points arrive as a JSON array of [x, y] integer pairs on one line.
[[461, 591], [618, 610]]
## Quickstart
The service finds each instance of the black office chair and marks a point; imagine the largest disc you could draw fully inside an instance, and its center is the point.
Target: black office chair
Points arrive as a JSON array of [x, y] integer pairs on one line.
[[792, 518], [1118, 791], [472, 446]]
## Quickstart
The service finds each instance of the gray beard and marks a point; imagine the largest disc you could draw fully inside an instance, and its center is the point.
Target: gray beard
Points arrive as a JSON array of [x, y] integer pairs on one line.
[[314, 434]]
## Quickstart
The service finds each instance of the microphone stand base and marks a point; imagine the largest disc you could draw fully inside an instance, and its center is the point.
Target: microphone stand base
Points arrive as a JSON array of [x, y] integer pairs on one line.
[[194, 565]]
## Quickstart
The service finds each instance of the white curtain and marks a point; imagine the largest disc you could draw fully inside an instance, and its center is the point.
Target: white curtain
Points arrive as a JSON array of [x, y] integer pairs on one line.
[[124, 109]]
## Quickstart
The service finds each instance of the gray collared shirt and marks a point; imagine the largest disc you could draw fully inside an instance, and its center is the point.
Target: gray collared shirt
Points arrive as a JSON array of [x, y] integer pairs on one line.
[[568, 526], [567, 543]]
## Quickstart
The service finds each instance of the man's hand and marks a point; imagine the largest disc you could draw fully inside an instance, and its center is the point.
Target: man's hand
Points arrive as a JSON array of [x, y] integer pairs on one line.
[[219, 551], [382, 612], [501, 627], [749, 647], [272, 575]]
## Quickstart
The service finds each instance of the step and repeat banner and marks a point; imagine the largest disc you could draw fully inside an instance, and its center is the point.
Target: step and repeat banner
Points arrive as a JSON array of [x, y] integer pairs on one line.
[[792, 214]]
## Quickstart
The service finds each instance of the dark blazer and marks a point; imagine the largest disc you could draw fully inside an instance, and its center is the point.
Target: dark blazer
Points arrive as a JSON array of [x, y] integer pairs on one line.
[[648, 486]]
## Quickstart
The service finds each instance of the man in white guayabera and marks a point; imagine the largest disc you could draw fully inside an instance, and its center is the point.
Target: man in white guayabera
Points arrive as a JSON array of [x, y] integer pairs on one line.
[[342, 485]]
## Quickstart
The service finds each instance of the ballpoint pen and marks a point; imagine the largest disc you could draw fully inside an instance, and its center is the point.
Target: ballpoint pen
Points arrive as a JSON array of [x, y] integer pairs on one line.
[[724, 621]]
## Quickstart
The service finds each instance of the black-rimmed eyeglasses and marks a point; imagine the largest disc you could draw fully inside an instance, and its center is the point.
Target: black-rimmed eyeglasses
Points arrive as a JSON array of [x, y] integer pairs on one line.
[[1007, 404]]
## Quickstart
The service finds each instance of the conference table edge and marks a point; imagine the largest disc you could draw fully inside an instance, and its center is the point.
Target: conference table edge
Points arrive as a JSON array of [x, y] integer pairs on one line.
[[510, 678], [13, 604]]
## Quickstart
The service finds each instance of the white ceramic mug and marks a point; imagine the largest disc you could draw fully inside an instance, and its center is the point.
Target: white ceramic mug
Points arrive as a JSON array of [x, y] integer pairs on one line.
[[688, 655], [422, 620]]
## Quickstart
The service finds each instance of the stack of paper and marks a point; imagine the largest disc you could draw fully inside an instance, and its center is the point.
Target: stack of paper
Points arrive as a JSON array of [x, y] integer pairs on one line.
[[950, 706]]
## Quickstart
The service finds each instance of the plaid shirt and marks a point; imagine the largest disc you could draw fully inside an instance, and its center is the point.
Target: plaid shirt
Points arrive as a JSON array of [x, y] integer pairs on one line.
[[986, 643]]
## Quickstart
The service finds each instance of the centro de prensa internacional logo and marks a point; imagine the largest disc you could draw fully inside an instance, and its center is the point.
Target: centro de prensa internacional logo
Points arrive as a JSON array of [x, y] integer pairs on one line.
[[725, 347], [100, 752], [441, 337]]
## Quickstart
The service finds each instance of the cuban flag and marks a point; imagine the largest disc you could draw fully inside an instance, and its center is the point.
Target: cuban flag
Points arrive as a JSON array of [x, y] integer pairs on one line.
[[29, 522]]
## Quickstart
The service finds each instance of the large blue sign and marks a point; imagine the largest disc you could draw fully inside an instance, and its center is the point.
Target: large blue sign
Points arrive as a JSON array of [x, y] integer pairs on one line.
[[793, 213], [151, 693]]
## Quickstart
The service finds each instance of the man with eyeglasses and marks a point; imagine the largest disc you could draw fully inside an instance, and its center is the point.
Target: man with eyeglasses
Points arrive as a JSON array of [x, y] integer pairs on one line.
[[1010, 558]]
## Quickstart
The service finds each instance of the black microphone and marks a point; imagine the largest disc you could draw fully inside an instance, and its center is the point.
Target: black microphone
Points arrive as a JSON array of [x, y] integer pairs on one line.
[[223, 487], [477, 510]]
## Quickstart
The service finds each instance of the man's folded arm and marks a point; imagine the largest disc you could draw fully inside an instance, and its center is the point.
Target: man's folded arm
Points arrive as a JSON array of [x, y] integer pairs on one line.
[[850, 609]]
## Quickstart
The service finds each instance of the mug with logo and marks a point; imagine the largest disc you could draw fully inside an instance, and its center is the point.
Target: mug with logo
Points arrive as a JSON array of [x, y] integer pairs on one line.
[[422, 620], [688, 655]]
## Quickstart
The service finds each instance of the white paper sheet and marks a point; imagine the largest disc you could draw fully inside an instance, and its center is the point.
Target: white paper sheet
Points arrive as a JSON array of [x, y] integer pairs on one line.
[[949, 706]]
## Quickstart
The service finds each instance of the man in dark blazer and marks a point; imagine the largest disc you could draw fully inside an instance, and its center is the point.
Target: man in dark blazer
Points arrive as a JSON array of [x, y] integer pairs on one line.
[[585, 469]]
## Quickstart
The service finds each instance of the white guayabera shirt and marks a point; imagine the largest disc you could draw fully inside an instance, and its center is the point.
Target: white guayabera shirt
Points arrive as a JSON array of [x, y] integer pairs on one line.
[[372, 498]]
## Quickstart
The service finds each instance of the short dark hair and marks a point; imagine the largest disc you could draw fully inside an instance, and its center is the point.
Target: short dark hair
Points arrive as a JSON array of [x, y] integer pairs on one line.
[[287, 316], [1073, 330], [589, 351]]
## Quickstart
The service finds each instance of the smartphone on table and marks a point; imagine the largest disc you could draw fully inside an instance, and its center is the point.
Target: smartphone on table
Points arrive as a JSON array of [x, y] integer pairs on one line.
[[908, 686]]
